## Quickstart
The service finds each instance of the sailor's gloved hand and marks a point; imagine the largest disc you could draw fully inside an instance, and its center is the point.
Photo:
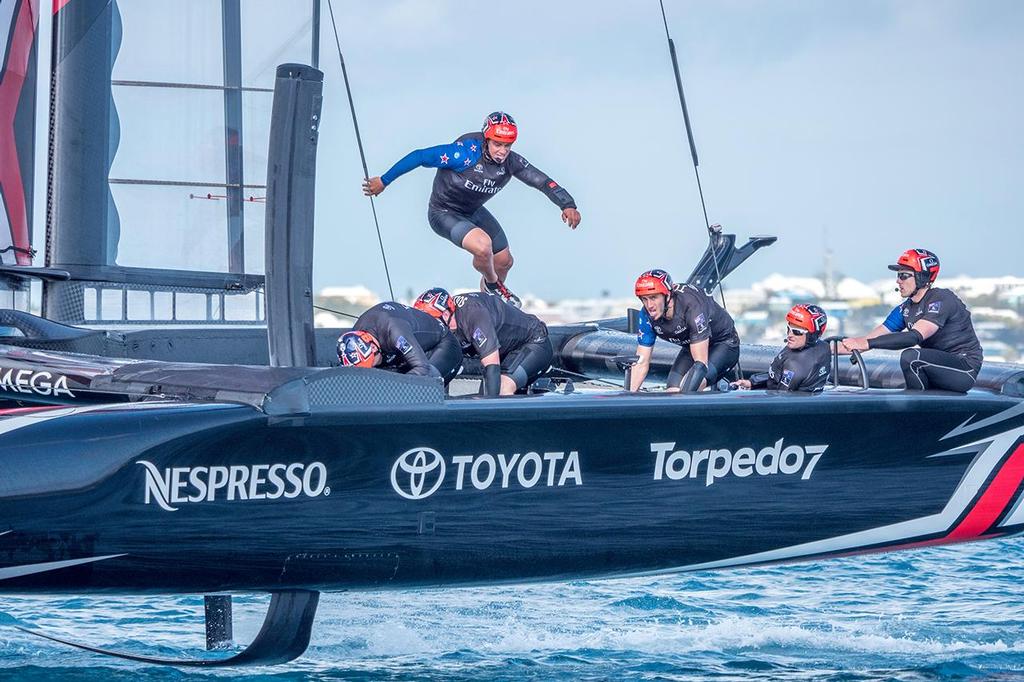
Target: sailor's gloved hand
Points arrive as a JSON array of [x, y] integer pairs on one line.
[[373, 186], [742, 384], [571, 217]]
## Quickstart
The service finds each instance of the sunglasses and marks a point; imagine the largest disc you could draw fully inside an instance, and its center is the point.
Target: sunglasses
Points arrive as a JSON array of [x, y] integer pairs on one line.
[[904, 275], [795, 332]]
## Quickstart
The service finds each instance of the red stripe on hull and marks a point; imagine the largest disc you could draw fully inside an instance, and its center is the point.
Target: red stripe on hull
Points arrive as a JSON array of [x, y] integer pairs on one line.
[[994, 501], [991, 505], [14, 411], [944, 540]]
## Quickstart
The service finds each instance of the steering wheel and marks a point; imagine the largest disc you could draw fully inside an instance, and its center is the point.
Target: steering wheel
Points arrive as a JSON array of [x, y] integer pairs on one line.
[[855, 359]]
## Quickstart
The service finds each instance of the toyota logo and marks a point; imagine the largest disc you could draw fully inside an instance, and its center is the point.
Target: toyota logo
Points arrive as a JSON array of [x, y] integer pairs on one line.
[[422, 473]]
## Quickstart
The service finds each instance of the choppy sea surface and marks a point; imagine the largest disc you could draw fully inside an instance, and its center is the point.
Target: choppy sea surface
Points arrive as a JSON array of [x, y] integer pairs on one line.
[[934, 614]]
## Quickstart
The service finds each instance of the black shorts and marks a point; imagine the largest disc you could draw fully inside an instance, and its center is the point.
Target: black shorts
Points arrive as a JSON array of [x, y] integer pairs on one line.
[[526, 363], [455, 226]]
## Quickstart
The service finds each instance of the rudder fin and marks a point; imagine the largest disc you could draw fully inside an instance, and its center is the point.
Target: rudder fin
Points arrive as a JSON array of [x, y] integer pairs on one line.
[[283, 637]]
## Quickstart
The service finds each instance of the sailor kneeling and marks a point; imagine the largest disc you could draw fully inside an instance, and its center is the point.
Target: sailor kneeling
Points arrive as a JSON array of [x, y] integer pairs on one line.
[[513, 346], [686, 316], [394, 336], [802, 364]]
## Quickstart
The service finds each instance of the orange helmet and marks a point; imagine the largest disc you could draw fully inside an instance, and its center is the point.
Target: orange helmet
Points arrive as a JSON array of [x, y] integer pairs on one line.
[[358, 349], [922, 262], [811, 318], [436, 302], [500, 127], [654, 282]]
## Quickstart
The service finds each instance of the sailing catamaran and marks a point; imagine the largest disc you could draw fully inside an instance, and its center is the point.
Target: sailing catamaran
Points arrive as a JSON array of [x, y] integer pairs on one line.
[[232, 457]]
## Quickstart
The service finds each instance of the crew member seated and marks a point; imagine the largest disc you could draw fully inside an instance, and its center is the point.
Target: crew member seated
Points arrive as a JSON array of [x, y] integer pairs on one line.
[[933, 325], [513, 346], [802, 364], [686, 316], [392, 335]]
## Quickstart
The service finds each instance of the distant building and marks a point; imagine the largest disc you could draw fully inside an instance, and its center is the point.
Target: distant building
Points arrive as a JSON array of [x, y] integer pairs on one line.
[[803, 288], [855, 307], [338, 306], [975, 287], [356, 295]]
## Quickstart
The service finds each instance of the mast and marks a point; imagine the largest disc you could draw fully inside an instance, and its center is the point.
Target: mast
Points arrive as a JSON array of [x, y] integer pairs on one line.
[[18, 27]]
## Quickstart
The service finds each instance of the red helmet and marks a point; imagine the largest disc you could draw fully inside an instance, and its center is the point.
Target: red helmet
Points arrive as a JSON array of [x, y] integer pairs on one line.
[[358, 349], [811, 318], [922, 262], [436, 302], [654, 282], [500, 127]]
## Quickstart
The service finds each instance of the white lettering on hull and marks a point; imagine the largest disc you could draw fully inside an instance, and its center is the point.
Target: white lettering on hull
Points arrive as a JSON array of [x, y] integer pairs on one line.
[[676, 465], [183, 485]]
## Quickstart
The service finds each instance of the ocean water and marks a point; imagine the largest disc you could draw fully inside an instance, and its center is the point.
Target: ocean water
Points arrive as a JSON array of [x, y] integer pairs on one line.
[[935, 614]]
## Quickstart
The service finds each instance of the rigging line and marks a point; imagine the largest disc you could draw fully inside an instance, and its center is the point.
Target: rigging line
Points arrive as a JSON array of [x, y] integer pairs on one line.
[[588, 378], [696, 171], [359, 141], [336, 312], [19, 249]]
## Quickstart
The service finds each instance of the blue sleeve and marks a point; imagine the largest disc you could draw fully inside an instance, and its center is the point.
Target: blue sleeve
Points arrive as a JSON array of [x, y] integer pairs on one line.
[[455, 156], [894, 322], [645, 332]]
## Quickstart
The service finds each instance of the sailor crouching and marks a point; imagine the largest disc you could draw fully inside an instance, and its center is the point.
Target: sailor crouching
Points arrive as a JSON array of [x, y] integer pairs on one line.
[[687, 317], [394, 336], [513, 346]]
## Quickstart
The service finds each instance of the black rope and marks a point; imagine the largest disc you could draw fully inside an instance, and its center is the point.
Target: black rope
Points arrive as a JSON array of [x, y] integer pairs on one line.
[[561, 370], [30, 252], [693, 154], [359, 141]]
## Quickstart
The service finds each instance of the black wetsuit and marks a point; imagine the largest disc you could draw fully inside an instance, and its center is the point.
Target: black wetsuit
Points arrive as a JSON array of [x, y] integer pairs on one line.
[[950, 358], [466, 178], [412, 341], [485, 324], [797, 370], [695, 317]]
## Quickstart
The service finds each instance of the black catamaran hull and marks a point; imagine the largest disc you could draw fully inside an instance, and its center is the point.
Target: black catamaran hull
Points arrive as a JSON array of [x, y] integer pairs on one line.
[[159, 497]]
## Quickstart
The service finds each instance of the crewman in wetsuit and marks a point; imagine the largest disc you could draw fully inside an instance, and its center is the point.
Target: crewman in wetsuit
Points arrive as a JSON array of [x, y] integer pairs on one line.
[[470, 171], [513, 346], [690, 318], [932, 326], [803, 363], [392, 335]]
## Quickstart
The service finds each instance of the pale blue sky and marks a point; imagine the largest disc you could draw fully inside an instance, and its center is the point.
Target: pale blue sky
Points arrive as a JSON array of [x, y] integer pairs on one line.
[[874, 126], [886, 124]]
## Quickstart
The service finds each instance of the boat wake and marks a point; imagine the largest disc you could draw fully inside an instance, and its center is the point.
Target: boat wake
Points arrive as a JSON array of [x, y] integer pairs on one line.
[[928, 614]]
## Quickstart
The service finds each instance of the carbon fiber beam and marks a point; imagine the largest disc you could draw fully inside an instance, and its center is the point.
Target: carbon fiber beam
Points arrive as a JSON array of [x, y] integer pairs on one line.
[[291, 189]]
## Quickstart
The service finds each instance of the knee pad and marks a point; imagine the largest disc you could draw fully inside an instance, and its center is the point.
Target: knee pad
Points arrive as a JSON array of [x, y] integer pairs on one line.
[[712, 373], [491, 386], [693, 377], [520, 376]]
